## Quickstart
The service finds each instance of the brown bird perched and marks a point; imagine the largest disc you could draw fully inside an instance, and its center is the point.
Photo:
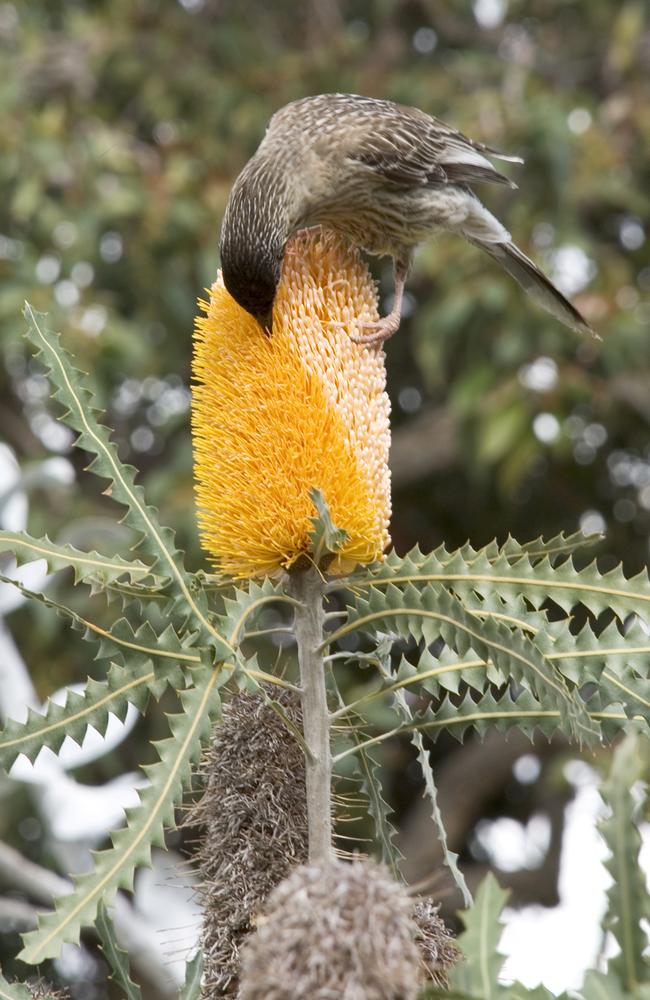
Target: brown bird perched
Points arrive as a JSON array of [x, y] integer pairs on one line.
[[383, 175]]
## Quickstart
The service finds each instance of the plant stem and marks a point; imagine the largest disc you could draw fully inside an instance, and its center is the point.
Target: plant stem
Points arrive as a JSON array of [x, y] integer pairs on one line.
[[309, 617]]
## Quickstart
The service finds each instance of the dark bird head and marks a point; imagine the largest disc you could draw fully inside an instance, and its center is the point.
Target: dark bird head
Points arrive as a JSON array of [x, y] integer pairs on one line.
[[253, 237], [251, 275]]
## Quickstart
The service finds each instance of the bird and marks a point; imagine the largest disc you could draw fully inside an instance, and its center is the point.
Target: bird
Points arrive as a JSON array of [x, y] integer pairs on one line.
[[386, 177]]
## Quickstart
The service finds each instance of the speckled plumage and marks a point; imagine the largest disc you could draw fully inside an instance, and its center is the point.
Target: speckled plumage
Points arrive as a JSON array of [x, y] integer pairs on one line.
[[385, 176]]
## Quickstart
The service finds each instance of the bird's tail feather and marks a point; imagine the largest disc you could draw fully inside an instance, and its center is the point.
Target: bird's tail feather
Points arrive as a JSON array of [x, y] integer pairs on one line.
[[535, 283]]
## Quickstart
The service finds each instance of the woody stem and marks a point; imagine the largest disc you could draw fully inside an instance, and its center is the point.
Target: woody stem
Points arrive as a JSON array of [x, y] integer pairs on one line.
[[307, 587]]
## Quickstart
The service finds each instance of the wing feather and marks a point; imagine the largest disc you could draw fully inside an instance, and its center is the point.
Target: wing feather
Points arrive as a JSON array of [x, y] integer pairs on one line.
[[407, 146]]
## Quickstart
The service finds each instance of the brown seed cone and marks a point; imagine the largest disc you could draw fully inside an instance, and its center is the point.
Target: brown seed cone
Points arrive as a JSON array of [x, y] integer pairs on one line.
[[40, 989], [435, 942], [255, 827], [341, 930]]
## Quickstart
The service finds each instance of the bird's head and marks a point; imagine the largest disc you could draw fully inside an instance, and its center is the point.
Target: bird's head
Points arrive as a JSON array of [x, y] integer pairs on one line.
[[251, 275], [253, 237]]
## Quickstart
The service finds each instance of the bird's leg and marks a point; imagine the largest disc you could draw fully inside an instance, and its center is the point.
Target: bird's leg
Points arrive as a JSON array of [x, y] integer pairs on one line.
[[388, 325]]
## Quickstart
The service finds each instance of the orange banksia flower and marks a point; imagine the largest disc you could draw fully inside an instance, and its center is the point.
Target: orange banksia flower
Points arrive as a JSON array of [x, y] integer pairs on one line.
[[274, 417]]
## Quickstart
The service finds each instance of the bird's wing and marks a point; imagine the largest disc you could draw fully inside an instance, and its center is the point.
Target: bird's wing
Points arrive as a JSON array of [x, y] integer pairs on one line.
[[414, 148]]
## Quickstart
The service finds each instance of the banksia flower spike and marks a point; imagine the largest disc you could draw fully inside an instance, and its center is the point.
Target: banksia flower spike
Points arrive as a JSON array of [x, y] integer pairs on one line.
[[275, 417]]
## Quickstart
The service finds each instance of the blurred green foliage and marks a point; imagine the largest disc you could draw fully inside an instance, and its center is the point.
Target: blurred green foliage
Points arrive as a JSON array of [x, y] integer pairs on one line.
[[124, 124]]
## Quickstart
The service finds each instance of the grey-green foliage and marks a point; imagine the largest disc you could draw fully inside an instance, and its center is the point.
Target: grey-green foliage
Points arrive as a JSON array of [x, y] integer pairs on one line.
[[627, 974], [490, 642], [116, 957]]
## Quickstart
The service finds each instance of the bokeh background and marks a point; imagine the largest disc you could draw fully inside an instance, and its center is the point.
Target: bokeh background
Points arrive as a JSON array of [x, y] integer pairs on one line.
[[124, 124]]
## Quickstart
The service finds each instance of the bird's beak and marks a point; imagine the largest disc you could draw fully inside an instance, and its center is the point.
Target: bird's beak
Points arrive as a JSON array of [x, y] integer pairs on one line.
[[265, 320]]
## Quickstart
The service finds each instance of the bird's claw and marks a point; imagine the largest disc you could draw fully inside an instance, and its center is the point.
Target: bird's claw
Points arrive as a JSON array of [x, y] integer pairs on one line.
[[377, 332]]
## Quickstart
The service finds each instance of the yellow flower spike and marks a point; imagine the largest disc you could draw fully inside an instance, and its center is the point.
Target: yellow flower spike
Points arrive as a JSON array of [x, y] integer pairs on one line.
[[274, 417]]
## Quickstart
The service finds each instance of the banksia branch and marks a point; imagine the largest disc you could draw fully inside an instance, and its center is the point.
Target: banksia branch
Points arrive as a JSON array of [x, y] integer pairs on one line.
[[275, 417]]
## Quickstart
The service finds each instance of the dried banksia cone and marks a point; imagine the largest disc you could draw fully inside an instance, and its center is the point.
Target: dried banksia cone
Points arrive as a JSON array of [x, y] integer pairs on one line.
[[435, 942], [255, 827], [341, 930], [40, 989], [275, 417]]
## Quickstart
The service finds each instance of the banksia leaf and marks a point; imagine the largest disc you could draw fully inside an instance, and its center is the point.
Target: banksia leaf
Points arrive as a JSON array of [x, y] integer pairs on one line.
[[191, 988], [123, 686], [601, 986], [13, 991], [368, 771], [478, 975], [494, 710], [549, 548], [500, 711], [240, 607], [403, 710], [536, 582], [434, 613], [116, 957], [114, 868], [120, 639], [82, 416], [539, 548], [87, 566], [628, 900]]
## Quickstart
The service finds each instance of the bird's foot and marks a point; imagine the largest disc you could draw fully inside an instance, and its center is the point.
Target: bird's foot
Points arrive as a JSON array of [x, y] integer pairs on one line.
[[377, 333]]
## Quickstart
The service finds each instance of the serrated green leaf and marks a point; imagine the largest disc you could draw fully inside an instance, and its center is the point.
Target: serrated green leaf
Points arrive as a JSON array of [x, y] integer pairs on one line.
[[511, 580], [117, 958], [114, 868], [138, 595], [494, 710], [551, 548], [121, 636], [450, 858], [628, 900], [367, 770], [599, 986], [433, 612], [87, 566], [478, 974], [243, 603], [582, 656], [631, 690], [325, 537], [13, 991], [82, 416], [515, 991], [403, 710], [123, 686], [191, 989], [615, 661], [539, 548]]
